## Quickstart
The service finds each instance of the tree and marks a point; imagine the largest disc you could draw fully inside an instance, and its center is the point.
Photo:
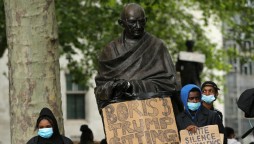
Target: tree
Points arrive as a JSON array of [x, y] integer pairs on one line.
[[238, 25], [34, 83]]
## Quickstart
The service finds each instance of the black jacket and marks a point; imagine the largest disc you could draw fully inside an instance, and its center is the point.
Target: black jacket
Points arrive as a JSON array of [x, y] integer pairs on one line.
[[34, 140], [47, 114], [203, 117], [218, 112]]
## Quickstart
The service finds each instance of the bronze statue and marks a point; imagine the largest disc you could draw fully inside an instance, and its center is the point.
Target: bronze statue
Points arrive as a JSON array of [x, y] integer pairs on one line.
[[134, 64], [190, 70]]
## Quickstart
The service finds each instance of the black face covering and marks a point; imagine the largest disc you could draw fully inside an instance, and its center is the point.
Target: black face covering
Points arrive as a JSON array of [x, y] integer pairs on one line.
[[56, 137]]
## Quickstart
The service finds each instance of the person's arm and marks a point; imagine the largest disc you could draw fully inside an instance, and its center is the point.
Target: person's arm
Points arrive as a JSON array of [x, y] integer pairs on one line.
[[219, 114], [218, 121]]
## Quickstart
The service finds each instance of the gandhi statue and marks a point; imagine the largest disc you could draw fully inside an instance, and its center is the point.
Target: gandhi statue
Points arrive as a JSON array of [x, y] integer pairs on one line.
[[136, 63]]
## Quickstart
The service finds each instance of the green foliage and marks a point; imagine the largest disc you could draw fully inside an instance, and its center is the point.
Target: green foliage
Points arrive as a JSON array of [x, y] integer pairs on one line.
[[96, 23], [238, 16], [86, 26]]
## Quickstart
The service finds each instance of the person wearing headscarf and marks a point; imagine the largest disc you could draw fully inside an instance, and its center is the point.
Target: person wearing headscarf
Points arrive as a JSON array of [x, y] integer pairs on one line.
[[48, 132]]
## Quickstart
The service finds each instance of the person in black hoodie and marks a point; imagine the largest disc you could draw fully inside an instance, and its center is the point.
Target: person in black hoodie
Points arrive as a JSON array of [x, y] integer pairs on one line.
[[48, 132]]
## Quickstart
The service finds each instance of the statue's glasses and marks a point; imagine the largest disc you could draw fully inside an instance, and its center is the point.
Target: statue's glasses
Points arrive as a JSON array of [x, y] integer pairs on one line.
[[132, 23]]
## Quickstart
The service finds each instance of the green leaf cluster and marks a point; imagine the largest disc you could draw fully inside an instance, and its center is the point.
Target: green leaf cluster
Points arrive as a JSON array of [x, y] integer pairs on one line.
[[86, 26]]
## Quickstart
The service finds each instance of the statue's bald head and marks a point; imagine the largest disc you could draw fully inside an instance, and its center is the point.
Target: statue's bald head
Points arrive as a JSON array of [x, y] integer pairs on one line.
[[133, 20], [132, 9]]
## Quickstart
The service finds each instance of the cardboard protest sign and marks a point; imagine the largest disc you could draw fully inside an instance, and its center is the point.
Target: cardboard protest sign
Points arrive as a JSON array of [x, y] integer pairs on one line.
[[192, 57], [222, 137], [204, 135], [150, 121]]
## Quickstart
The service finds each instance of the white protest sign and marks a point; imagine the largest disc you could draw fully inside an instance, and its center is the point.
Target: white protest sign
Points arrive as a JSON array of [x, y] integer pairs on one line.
[[204, 135]]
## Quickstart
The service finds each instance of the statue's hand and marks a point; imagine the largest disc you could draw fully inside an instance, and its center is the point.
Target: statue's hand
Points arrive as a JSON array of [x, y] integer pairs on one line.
[[120, 87], [105, 91]]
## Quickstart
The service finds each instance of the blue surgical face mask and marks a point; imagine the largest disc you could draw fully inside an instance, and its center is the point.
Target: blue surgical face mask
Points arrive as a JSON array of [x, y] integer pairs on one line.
[[208, 99], [45, 132], [193, 106]]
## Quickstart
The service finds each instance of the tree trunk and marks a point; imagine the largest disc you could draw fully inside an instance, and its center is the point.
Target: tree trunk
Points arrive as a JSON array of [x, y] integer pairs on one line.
[[34, 83]]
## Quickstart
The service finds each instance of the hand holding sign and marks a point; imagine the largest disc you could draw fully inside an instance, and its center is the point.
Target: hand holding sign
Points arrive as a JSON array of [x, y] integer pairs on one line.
[[192, 128], [204, 135]]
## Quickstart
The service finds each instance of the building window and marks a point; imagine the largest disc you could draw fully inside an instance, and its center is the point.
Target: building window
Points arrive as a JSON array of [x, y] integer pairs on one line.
[[75, 99]]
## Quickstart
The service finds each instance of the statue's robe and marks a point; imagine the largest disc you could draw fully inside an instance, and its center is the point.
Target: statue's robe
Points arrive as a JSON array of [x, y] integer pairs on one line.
[[147, 66]]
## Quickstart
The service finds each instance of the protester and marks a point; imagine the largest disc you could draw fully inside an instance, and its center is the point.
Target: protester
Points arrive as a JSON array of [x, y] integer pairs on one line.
[[230, 134], [209, 95], [87, 135], [195, 115], [48, 132]]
